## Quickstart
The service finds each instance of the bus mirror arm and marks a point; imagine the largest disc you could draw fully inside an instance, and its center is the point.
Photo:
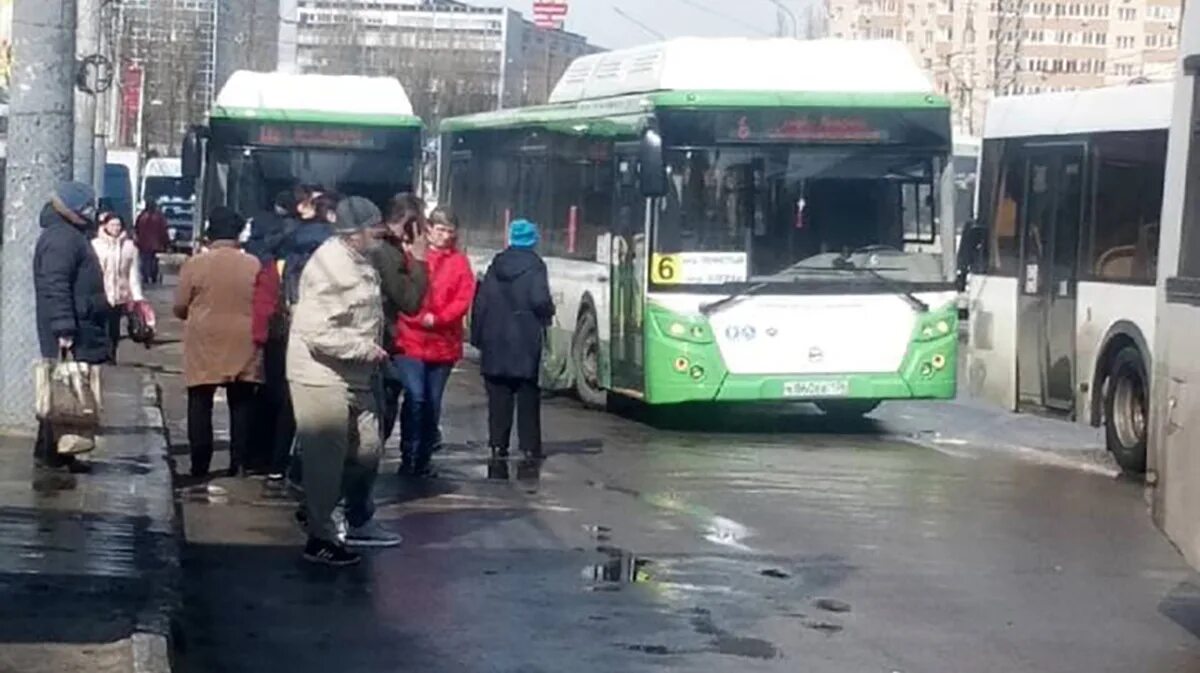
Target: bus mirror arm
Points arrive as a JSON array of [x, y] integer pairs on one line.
[[189, 153], [652, 165]]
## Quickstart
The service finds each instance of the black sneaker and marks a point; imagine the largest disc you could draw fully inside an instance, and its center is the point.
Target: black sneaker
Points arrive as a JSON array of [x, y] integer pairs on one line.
[[330, 554]]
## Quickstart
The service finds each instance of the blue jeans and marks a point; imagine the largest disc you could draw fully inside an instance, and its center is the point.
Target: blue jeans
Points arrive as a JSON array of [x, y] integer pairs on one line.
[[424, 384]]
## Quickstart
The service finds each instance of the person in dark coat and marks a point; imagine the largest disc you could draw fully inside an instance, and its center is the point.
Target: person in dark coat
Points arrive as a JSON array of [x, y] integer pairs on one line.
[[404, 279], [72, 309], [512, 310], [274, 420]]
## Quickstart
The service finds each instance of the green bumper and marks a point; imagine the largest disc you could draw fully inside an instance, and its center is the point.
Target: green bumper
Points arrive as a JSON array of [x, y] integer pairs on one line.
[[684, 364]]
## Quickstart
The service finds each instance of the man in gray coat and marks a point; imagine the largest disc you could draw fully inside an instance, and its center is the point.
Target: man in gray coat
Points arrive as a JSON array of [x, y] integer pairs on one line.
[[333, 354]]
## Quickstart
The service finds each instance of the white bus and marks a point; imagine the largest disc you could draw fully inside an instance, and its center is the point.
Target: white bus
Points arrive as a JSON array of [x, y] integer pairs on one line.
[[731, 220], [1175, 430], [269, 132], [1061, 295]]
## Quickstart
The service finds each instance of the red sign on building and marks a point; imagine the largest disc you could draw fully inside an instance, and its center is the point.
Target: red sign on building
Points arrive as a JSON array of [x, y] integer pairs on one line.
[[131, 102], [550, 14]]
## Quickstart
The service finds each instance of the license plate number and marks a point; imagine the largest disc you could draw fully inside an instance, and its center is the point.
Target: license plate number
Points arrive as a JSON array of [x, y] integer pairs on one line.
[[816, 389]]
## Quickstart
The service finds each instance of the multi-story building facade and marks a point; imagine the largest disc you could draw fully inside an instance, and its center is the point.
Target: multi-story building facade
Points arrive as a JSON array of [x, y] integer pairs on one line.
[[453, 58], [975, 49]]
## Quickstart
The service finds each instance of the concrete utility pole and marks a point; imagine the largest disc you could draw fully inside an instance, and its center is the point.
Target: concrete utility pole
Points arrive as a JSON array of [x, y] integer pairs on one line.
[[87, 43], [40, 139]]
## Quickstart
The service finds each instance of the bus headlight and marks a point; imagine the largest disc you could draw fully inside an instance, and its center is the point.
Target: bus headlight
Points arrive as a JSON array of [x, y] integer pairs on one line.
[[938, 362], [697, 372], [683, 328], [682, 364]]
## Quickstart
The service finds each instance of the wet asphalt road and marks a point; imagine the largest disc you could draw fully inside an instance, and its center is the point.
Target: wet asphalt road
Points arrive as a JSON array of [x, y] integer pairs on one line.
[[751, 544]]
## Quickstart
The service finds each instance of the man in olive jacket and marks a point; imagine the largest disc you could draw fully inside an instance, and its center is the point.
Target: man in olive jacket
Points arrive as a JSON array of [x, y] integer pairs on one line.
[[404, 279]]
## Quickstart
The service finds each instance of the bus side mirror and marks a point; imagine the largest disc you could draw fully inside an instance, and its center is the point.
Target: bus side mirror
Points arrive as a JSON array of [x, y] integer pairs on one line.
[[190, 154], [970, 253], [653, 172]]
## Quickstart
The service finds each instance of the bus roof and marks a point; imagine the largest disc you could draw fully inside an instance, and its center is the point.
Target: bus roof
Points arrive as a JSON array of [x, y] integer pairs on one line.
[[697, 73], [745, 65], [1138, 107], [276, 96]]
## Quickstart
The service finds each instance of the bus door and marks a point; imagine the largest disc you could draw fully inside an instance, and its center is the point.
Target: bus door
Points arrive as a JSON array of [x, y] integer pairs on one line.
[[1051, 223], [627, 285]]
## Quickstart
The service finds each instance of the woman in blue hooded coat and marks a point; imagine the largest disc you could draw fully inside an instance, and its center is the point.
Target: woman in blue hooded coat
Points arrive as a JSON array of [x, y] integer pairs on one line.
[[512, 310]]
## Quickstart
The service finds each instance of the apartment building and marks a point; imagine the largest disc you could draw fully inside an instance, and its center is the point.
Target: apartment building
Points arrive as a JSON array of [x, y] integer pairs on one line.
[[975, 49], [452, 57]]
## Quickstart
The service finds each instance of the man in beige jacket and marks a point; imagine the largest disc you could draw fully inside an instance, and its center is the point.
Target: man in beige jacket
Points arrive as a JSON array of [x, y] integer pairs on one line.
[[333, 353]]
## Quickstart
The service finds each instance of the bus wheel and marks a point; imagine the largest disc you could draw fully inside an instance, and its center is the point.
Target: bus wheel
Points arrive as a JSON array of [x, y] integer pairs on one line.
[[585, 351], [1127, 410], [847, 409]]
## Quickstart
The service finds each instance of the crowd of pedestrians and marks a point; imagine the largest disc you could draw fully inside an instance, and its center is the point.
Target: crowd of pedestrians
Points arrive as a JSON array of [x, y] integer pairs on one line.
[[325, 322]]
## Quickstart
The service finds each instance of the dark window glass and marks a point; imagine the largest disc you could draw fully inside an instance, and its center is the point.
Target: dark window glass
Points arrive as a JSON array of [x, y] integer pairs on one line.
[[1128, 204], [1189, 253], [1002, 183]]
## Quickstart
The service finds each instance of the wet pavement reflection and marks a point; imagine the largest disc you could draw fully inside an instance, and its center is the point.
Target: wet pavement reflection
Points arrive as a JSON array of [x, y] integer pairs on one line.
[[757, 540]]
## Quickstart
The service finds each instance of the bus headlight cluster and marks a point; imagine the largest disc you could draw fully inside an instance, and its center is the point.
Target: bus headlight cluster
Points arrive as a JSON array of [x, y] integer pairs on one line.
[[935, 329], [682, 364]]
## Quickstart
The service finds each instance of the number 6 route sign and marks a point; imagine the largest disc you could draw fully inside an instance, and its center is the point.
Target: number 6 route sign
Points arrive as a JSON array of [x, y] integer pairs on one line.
[[698, 268]]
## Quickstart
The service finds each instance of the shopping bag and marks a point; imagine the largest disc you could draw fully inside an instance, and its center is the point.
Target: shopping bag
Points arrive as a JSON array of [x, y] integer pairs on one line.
[[67, 394], [140, 322]]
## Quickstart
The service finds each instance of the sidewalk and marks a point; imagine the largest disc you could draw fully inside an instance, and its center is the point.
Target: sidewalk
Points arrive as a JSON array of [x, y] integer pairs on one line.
[[88, 577], [971, 426]]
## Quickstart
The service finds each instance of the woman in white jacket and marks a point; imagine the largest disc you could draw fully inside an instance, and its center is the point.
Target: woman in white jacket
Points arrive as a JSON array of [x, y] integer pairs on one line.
[[122, 276]]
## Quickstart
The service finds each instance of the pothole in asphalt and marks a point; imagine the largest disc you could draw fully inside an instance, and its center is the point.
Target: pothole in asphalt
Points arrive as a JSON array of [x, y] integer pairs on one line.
[[724, 642], [832, 605]]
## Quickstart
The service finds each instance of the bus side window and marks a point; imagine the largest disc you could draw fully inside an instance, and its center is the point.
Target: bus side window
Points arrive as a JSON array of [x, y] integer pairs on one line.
[[1002, 182]]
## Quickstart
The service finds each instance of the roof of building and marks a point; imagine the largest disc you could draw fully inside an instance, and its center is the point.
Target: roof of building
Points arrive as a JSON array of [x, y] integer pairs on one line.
[[1137, 107], [378, 101], [745, 64]]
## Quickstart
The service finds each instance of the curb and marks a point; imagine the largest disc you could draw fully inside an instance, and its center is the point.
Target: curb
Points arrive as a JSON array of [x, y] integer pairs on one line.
[[151, 642]]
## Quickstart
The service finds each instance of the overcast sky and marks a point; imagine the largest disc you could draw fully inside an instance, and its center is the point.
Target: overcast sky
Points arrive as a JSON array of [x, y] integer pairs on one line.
[[602, 23]]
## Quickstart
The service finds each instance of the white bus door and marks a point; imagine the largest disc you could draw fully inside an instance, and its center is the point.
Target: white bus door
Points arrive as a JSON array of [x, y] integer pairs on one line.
[[1047, 288]]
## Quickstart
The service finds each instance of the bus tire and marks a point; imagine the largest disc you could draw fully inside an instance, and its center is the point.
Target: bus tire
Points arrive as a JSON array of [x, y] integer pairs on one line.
[[847, 409], [585, 354], [1127, 410]]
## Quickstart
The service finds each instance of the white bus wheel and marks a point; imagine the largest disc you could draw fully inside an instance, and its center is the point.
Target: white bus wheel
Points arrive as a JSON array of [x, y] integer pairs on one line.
[[1127, 410]]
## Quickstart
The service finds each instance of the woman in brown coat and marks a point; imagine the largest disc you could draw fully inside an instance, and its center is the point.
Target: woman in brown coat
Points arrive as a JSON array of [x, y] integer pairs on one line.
[[216, 298]]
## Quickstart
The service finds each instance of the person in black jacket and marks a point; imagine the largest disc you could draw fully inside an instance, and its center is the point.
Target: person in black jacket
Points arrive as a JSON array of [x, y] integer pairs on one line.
[[72, 310], [512, 310], [404, 279]]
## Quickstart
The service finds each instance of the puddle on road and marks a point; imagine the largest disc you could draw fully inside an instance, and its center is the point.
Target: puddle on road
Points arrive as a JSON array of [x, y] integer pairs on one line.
[[724, 642], [622, 567]]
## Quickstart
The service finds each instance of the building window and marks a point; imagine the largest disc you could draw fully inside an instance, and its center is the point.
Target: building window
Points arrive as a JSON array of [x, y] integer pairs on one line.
[[1127, 14], [1125, 42]]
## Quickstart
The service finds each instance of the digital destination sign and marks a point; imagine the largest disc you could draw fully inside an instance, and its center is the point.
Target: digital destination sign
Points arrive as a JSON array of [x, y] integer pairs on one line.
[[801, 127], [331, 137]]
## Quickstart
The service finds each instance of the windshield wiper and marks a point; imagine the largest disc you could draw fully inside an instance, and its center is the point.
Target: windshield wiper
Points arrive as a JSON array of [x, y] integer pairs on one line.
[[912, 299], [712, 307]]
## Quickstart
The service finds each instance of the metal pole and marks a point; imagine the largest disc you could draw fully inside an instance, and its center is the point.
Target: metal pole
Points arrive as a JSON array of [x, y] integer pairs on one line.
[[103, 107], [40, 143], [87, 43]]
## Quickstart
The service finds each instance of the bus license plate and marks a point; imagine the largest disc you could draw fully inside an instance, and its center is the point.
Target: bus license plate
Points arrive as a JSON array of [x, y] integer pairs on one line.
[[816, 389]]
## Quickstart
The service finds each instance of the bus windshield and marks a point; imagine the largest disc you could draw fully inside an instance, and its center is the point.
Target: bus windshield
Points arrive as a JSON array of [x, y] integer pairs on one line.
[[804, 214], [247, 178]]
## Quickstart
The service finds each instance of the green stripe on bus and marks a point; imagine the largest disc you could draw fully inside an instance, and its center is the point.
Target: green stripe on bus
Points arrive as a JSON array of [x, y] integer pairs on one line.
[[796, 99], [625, 113], [316, 116]]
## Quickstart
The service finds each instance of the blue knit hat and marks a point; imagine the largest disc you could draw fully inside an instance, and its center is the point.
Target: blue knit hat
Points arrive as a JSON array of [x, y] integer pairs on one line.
[[523, 234]]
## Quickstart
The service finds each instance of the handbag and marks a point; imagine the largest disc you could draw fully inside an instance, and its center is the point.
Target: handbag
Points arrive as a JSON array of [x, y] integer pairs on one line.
[[67, 394], [140, 323]]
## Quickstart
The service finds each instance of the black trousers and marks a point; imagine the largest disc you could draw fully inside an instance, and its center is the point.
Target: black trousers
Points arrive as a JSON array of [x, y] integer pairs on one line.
[[114, 332], [200, 431], [505, 393], [45, 452], [274, 420]]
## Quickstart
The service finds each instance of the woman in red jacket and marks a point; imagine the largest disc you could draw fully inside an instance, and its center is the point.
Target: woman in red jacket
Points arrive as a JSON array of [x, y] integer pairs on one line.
[[431, 342]]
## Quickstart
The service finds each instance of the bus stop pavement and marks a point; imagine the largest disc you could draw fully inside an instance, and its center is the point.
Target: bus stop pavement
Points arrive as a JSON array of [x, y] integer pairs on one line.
[[88, 577]]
